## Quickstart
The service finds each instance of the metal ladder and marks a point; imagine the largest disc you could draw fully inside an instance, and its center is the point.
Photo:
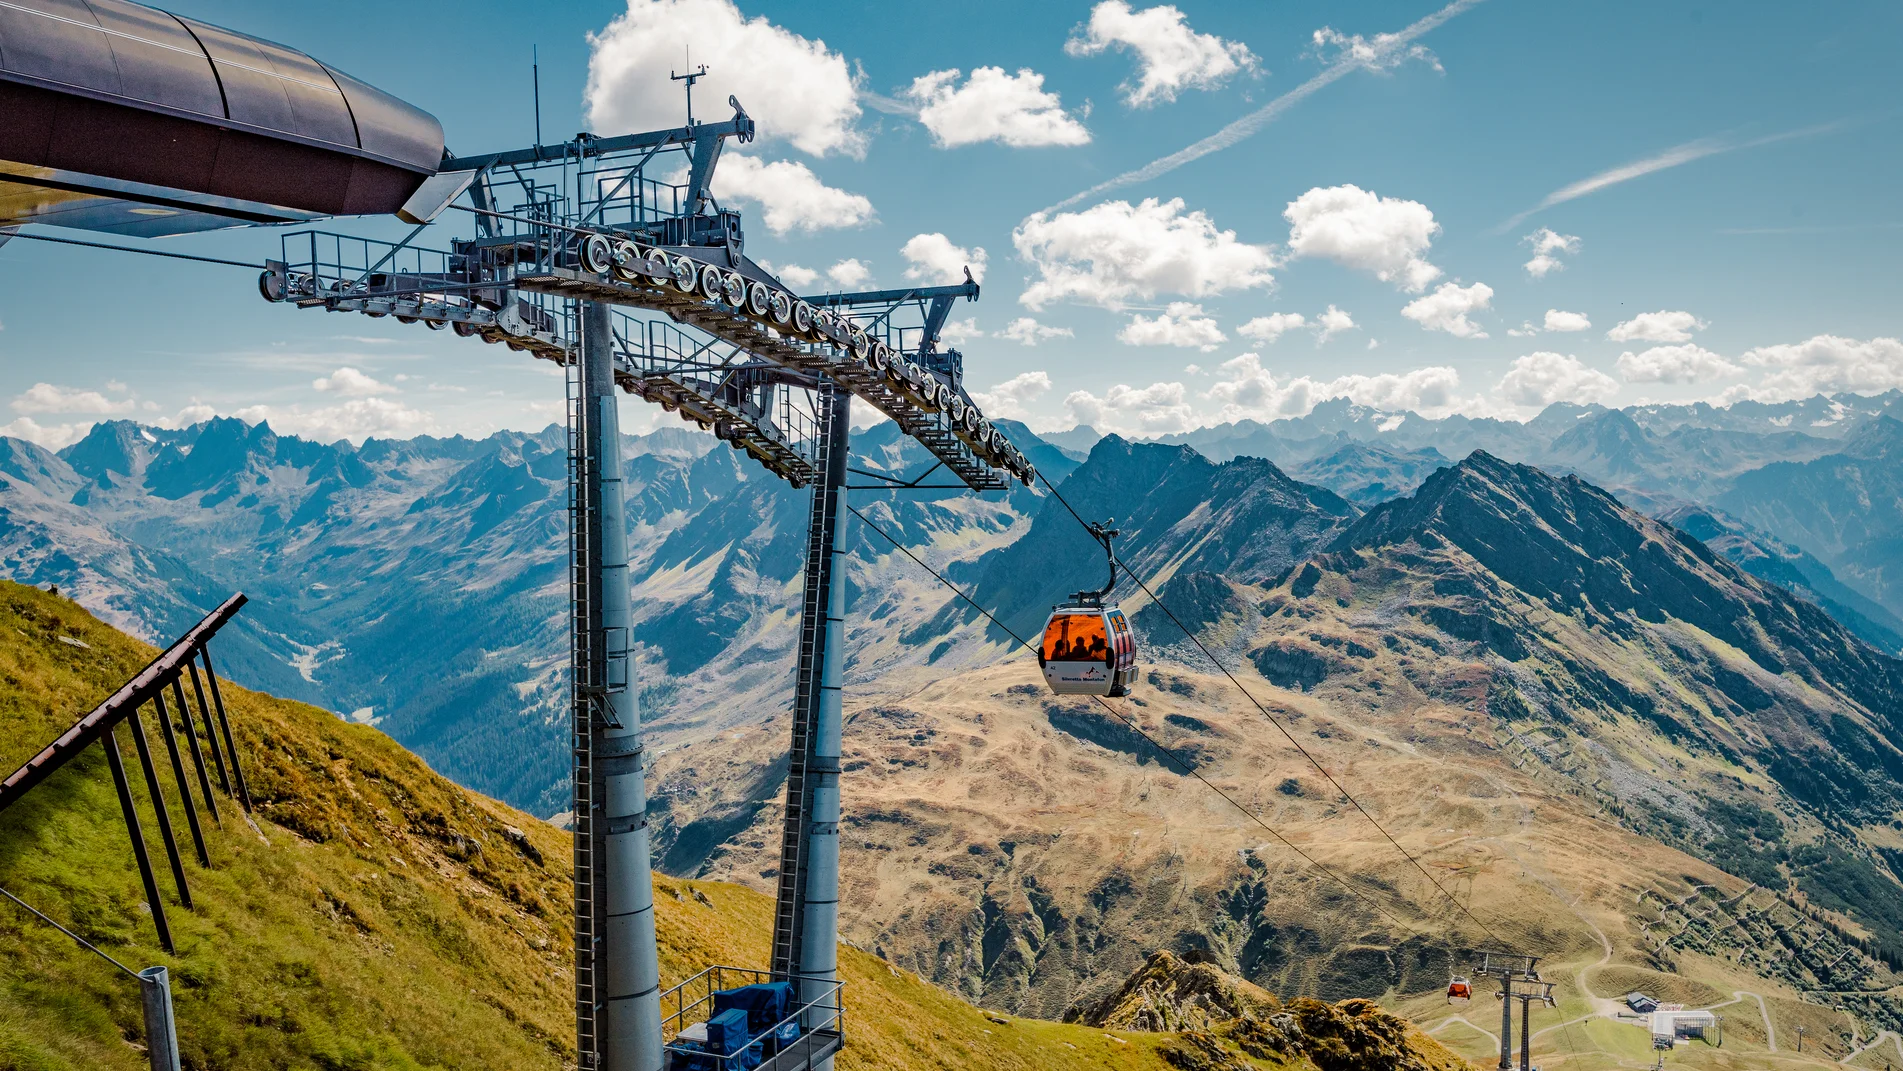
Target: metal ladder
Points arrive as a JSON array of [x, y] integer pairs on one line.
[[789, 903], [584, 669]]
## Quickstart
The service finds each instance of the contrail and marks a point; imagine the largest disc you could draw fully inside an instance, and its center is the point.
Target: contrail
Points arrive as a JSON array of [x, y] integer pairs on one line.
[[889, 105], [1384, 46], [1672, 157]]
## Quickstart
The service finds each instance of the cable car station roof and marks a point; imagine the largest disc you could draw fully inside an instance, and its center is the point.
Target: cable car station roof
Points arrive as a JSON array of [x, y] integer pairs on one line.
[[123, 118]]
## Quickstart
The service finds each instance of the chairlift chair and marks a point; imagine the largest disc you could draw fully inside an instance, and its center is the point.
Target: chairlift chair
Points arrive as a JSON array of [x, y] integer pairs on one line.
[[1088, 647]]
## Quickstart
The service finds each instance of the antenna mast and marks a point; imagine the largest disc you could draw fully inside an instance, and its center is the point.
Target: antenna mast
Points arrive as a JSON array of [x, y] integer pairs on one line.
[[535, 72], [690, 78]]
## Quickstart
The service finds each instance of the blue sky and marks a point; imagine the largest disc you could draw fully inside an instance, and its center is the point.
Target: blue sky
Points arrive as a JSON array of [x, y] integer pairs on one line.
[[1711, 188]]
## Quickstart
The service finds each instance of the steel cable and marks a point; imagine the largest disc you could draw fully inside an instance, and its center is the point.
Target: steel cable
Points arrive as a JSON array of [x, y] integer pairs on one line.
[[1161, 749], [1273, 720], [131, 249]]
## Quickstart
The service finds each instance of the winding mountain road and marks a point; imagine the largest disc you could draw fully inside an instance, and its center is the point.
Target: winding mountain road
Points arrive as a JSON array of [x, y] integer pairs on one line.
[[1882, 1036]]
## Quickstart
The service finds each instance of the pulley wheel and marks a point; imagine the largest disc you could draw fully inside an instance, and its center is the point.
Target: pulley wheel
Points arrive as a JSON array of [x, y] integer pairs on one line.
[[597, 254], [628, 261], [686, 274]]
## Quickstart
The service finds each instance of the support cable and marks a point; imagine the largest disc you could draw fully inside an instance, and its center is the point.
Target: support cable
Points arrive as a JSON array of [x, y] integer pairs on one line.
[[1273, 720], [134, 249], [83, 943], [1160, 748]]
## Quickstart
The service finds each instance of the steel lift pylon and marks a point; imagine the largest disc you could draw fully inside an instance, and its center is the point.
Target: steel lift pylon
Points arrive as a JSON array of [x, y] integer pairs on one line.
[[579, 257], [641, 285]]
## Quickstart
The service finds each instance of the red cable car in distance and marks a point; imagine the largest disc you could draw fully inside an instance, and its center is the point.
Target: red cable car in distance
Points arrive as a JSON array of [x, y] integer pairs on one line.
[[1089, 648]]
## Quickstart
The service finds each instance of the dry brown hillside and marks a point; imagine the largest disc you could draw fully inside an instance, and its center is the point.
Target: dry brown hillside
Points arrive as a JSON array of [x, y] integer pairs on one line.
[[377, 916]]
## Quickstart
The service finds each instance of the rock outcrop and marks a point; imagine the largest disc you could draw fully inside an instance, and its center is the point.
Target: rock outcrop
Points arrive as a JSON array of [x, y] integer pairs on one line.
[[1221, 1018]]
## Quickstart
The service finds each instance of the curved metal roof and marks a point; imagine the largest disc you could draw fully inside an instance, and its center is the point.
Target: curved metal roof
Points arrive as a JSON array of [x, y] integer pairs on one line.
[[131, 55]]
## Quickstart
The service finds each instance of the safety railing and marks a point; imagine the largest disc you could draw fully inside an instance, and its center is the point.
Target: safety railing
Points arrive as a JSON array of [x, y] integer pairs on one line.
[[183, 660]]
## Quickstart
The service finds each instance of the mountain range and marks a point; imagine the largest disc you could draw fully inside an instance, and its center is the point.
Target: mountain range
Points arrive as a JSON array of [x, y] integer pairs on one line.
[[386, 564], [1657, 635]]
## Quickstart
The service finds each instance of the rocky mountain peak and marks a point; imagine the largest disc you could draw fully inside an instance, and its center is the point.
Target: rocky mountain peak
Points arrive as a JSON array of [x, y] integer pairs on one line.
[[111, 448], [1878, 439]]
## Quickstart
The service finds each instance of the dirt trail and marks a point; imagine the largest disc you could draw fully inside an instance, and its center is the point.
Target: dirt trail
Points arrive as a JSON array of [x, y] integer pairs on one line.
[[1882, 1036], [1492, 1038]]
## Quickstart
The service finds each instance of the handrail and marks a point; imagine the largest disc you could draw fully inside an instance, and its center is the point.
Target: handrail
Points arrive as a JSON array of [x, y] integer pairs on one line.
[[827, 1002], [130, 696]]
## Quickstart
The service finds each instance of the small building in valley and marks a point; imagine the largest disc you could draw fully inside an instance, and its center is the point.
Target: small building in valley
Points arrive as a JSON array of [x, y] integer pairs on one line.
[[1669, 1026]]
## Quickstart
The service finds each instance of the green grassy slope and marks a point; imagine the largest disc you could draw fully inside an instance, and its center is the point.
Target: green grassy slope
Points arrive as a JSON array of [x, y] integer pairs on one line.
[[373, 916]]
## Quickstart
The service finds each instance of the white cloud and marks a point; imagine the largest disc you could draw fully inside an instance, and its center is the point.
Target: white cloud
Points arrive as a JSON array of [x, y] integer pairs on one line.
[[351, 383], [1544, 378], [47, 398], [1249, 391], [1384, 46], [1183, 323], [1171, 57], [1266, 329], [793, 275], [193, 414], [1363, 230], [356, 419], [1825, 364], [1674, 364], [1661, 326], [1383, 53], [1028, 332], [849, 274], [1447, 307], [1561, 320], [790, 196], [1547, 245], [957, 331], [1007, 400], [1011, 109], [1157, 409], [1112, 253], [936, 260], [1332, 322], [51, 436], [794, 88]]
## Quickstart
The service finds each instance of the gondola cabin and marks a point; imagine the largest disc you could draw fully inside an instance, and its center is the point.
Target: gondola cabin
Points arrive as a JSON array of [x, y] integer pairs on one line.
[[1088, 650], [1459, 991]]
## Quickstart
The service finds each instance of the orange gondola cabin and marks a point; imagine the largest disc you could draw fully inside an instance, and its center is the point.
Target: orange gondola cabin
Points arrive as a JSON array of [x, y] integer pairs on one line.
[[1088, 647], [1088, 650]]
